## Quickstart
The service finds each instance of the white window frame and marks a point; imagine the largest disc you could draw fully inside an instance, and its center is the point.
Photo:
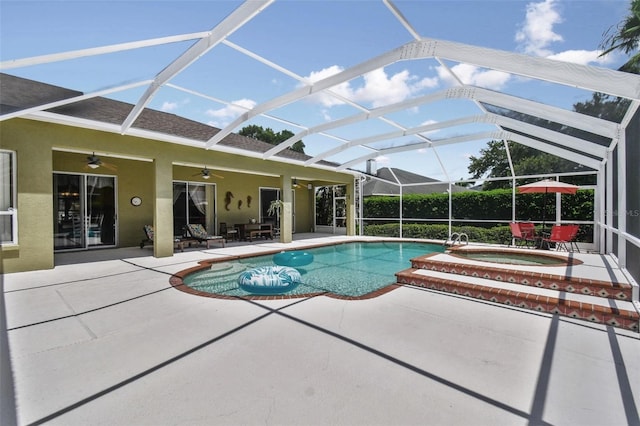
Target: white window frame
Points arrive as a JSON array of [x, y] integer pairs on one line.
[[211, 191], [12, 210]]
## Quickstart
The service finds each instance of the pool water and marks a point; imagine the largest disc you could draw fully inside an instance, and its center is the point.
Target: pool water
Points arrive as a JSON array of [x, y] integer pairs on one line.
[[350, 269], [524, 259]]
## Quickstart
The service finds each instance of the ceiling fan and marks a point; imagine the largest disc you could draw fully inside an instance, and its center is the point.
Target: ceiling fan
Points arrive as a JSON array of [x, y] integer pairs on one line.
[[93, 162], [206, 174]]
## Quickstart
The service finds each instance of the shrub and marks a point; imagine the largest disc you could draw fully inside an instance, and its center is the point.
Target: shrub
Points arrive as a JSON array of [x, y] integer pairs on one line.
[[495, 235]]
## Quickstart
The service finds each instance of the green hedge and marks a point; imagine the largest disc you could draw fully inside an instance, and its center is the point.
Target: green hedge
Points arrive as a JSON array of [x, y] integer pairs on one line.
[[480, 205], [473, 205]]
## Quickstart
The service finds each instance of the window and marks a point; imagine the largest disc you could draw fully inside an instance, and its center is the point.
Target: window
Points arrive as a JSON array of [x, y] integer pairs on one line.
[[8, 212]]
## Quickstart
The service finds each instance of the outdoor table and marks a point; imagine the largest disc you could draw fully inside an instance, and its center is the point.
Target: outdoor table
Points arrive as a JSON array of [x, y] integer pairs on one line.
[[248, 231]]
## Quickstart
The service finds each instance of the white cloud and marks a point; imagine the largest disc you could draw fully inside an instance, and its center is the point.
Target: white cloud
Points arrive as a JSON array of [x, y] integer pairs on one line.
[[169, 106], [536, 33], [470, 74], [377, 89], [582, 57], [383, 159], [431, 132], [225, 115], [324, 99]]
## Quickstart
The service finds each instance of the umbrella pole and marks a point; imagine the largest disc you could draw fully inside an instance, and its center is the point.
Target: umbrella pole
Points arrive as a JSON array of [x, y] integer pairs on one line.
[[544, 208]]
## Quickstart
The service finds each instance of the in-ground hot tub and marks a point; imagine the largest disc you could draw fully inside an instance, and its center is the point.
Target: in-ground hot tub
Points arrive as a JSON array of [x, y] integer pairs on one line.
[[513, 257]]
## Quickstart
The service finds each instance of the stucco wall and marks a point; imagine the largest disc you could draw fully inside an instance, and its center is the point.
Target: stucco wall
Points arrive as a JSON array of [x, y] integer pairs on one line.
[[34, 201], [43, 148]]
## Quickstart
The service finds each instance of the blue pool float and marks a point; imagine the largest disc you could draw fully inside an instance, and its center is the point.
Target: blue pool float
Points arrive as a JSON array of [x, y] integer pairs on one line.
[[293, 258], [269, 280]]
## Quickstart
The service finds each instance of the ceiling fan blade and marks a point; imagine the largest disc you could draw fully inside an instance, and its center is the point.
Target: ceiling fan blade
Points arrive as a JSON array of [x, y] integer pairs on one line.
[[206, 174], [94, 162], [109, 166]]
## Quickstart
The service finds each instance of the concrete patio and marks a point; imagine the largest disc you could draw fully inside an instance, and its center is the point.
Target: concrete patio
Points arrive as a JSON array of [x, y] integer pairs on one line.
[[103, 339]]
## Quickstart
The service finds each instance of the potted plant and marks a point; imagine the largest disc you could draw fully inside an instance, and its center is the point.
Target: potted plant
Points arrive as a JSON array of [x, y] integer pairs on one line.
[[275, 207]]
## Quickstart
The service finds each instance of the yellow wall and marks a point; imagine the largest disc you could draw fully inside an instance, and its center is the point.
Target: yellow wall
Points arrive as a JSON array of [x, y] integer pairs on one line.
[[42, 149]]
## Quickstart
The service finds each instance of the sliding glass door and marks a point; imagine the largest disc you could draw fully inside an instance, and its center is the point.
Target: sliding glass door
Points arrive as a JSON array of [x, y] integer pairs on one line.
[[331, 209], [193, 203], [84, 211]]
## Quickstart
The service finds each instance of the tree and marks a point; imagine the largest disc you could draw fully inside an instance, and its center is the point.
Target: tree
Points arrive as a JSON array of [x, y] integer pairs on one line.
[[604, 106], [269, 136], [626, 37], [493, 160]]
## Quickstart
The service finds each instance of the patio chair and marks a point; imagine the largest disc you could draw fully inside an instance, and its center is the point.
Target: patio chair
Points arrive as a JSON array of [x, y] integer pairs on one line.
[[561, 235], [148, 232], [228, 232], [523, 234], [572, 237], [197, 232]]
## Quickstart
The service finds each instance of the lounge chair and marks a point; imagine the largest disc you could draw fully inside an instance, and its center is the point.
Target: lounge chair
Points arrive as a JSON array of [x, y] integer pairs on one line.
[[148, 232], [561, 235], [523, 233], [197, 232]]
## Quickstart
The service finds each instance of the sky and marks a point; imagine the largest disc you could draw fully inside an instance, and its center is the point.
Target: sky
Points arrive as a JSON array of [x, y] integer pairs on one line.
[[310, 40]]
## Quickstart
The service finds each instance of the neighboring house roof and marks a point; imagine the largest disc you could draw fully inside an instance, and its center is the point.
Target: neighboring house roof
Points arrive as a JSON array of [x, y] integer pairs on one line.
[[18, 93], [387, 184]]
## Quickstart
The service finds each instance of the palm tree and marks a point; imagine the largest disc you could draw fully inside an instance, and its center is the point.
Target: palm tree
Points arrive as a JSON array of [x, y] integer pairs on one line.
[[626, 37]]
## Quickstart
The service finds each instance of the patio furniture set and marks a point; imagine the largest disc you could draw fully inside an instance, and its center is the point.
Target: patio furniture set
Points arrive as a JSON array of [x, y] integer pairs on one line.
[[197, 234], [561, 237]]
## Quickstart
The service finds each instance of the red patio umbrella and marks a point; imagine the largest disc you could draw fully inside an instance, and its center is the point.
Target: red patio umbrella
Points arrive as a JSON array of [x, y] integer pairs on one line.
[[546, 186]]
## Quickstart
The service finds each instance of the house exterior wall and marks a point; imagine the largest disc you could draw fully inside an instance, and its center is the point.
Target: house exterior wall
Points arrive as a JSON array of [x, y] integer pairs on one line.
[[34, 185], [44, 148]]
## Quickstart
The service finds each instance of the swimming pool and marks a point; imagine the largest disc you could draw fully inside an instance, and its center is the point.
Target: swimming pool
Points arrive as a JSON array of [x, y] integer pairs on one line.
[[349, 269]]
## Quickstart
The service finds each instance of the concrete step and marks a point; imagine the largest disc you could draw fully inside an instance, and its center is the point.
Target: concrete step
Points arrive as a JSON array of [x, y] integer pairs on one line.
[[592, 308], [569, 284]]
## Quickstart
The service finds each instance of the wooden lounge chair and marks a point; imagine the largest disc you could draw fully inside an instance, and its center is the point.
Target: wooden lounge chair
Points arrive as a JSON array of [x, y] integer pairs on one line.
[[148, 232], [197, 232]]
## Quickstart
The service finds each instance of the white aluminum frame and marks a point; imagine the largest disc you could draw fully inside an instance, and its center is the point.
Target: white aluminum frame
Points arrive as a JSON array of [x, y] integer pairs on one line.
[[584, 152], [13, 210]]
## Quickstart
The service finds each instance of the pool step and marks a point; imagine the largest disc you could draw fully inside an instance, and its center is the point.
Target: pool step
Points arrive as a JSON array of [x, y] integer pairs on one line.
[[617, 313], [218, 272], [584, 286]]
